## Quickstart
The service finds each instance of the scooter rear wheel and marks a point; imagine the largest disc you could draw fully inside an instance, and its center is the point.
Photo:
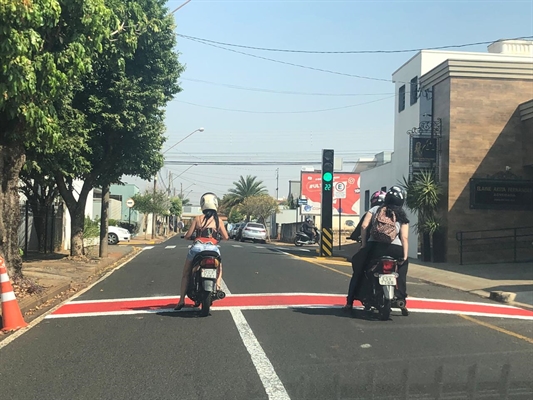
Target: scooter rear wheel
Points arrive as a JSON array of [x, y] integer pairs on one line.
[[206, 305], [297, 242]]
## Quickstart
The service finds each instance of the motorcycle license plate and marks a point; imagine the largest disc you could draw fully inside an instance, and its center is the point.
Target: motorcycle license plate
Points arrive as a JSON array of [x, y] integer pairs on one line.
[[389, 280], [209, 273]]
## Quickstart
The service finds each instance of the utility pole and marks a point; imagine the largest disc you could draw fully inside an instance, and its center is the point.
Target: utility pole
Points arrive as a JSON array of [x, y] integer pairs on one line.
[[277, 183], [153, 213], [181, 191]]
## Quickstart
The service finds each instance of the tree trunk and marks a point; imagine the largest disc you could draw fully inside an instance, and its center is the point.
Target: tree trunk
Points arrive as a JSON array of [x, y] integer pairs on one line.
[[12, 159], [104, 221], [76, 209]]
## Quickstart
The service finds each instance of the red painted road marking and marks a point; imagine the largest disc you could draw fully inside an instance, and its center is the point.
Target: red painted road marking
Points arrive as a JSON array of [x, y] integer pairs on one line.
[[279, 301]]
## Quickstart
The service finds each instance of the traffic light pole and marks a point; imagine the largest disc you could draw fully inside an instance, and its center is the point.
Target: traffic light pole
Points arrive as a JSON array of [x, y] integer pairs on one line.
[[326, 237]]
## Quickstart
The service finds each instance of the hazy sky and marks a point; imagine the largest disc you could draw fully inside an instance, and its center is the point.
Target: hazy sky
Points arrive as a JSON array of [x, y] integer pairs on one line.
[[281, 126]]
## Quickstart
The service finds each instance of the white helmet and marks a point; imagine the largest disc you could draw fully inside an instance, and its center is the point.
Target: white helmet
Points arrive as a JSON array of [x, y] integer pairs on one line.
[[209, 201]]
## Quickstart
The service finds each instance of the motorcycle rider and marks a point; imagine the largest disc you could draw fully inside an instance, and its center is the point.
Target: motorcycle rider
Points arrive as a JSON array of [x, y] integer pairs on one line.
[[208, 230], [398, 248], [309, 229], [376, 199]]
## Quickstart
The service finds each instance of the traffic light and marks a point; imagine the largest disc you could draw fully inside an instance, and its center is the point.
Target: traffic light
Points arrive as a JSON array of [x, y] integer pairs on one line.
[[326, 242]]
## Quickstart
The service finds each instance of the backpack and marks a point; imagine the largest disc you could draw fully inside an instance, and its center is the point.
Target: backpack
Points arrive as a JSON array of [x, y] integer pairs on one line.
[[383, 227]]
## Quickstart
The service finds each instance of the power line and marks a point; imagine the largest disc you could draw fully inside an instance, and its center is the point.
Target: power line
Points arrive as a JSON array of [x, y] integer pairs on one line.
[[254, 89], [302, 162], [293, 64], [347, 51], [284, 112]]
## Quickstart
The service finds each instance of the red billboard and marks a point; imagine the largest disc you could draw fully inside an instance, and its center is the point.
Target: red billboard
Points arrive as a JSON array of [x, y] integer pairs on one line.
[[312, 191]]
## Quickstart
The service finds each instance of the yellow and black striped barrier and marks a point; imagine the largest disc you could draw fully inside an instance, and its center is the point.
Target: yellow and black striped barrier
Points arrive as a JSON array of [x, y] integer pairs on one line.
[[326, 242]]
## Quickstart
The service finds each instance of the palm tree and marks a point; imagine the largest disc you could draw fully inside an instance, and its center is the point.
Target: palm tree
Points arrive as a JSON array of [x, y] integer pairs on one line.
[[424, 197], [244, 188]]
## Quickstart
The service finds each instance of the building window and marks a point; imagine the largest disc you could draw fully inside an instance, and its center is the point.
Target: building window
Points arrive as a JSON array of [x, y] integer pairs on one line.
[[401, 99], [367, 200], [414, 90]]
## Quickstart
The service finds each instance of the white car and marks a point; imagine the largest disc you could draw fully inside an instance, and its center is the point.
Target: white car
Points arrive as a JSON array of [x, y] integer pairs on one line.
[[117, 234], [254, 231]]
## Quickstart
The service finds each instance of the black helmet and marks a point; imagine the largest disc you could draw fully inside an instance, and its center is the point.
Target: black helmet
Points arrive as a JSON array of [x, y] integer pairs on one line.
[[395, 197]]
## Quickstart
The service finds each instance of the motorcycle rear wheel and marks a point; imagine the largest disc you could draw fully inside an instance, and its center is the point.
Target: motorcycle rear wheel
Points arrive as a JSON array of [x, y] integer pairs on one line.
[[297, 242], [206, 305], [384, 309]]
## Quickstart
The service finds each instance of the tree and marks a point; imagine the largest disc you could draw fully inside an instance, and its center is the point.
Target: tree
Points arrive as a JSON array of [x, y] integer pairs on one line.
[[149, 202], [41, 192], [122, 107], [291, 202], [45, 47], [184, 201], [244, 188], [176, 207], [261, 206], [235, 216], [424, 195]]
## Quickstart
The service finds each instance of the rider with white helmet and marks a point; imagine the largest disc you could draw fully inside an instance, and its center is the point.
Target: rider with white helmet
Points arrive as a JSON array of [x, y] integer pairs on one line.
[[207, 229]]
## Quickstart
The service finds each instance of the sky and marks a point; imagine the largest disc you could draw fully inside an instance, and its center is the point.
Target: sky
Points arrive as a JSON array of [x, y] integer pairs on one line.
[[254, 109]]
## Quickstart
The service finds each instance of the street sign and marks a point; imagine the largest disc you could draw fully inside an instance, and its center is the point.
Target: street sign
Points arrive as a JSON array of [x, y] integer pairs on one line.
[[302, 202], [130, 203], [340, 190]]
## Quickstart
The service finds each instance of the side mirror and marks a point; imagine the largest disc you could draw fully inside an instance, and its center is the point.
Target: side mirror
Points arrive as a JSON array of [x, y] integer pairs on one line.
[[350, 223]]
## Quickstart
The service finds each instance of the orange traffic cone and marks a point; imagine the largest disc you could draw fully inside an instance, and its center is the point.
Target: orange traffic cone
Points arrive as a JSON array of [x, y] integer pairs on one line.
[[11, 315]]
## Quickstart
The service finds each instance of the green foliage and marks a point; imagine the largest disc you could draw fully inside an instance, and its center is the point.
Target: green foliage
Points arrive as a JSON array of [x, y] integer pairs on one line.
[[152, 203], [235, 216], [91, 228], [291, 202], [113, 222], [175, 206], [244, 188], [45, 47], [261, 207], [424, 195]]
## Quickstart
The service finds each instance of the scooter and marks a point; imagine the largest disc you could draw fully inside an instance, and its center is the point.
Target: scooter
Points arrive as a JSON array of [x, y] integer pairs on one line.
[[304, 239], [377, 289], [202, 288], [203, 283]]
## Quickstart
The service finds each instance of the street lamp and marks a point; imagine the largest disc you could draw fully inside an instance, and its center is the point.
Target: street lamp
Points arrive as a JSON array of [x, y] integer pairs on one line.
[[190, 134]]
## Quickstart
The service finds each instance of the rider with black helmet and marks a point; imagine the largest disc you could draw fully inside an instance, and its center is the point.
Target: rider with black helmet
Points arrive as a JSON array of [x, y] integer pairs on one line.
[[372, 247]]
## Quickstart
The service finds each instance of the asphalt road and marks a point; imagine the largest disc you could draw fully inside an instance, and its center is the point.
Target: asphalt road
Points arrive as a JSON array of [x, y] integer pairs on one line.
[[286, 353]]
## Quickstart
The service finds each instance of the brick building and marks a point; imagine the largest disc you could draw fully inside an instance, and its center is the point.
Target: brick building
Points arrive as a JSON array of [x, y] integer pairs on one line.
[[476, 111], [485, 115]]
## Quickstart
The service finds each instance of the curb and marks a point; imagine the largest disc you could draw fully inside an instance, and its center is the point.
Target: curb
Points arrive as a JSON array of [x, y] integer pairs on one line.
[[28, 304]]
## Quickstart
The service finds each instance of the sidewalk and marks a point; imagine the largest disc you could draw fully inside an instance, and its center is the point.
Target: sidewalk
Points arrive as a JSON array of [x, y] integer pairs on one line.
[[505, 282], [61, 276]]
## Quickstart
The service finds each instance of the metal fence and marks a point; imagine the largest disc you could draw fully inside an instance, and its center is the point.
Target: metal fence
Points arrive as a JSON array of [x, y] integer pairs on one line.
[[52, 236], [496, 245]]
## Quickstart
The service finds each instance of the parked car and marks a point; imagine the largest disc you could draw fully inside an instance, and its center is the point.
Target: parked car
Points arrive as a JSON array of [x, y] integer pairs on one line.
[[116, 234], [253, 231], [235, 230]]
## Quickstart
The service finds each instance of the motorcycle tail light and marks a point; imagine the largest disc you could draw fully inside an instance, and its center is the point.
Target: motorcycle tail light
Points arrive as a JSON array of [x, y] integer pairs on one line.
[[209, 262], [388, 266]]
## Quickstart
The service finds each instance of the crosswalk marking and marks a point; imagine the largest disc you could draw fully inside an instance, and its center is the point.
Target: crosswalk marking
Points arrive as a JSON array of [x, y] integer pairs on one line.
[[259, 247], [236, 245], [170, 247], [148, 247]]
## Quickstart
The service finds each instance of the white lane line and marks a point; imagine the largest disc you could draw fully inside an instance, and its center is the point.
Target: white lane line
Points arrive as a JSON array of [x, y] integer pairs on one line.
[[148, 248], [271, 382], [236, 245], [170, 247], [259, 247]]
